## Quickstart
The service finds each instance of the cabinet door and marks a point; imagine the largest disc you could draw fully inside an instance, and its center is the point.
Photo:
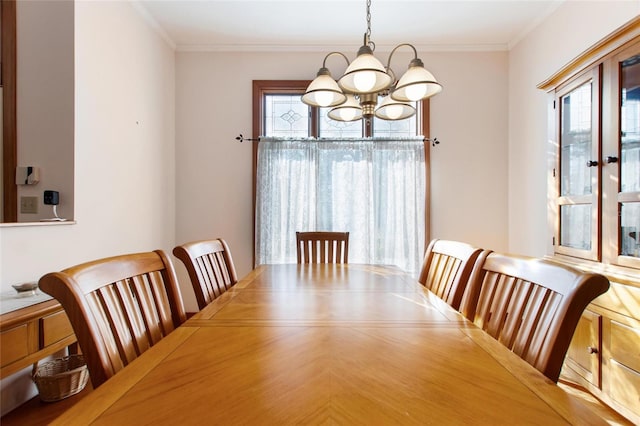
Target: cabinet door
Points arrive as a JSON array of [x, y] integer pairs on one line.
[[623, 378], [578, 170], [622, 158], [584, 355]]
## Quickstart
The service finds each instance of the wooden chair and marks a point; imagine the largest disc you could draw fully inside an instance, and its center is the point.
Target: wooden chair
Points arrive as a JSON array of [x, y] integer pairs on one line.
[[118, 307], [322, 247], [446, 269], [532, 306], [210, 268]]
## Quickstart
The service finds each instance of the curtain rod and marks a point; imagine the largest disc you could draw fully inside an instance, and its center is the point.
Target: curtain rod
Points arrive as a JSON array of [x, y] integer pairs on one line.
[[433, 141]]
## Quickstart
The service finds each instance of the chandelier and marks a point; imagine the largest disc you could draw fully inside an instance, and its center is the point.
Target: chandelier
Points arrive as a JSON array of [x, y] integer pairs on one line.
[[355, 94]]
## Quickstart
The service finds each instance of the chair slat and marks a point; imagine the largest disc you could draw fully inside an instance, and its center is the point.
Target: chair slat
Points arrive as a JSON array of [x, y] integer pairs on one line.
[[131, 317], [163, 310], [206, 277], [119, 328], [517, 304], [217, 261], [500, 306], [489, 289], [106, 345]]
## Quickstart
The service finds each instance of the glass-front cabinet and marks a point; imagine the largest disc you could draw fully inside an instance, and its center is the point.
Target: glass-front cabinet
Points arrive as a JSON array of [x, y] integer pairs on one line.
[[594, 209], [596, 166]]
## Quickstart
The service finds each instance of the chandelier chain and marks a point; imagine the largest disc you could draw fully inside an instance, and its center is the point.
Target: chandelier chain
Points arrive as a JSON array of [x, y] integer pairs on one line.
[[368, 19]]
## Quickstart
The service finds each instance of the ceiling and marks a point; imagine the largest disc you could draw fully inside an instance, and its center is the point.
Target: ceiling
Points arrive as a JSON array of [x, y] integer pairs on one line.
[[318, 25]]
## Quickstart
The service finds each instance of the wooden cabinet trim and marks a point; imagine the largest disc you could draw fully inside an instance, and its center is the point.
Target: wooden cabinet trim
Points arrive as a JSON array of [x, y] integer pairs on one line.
[[593, 55], [19, 316]]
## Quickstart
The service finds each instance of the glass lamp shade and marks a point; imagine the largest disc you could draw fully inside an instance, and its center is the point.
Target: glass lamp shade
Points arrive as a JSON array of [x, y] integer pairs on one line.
[[365, 74], [390, 109], [323, 91], [416, 84], [348, 111]]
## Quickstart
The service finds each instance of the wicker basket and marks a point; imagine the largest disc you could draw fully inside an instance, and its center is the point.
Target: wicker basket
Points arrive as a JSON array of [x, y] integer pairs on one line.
[[61, 378]]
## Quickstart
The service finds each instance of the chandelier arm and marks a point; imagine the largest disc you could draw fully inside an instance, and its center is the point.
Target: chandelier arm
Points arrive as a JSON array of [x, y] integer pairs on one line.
[[324, 62], [393, 76], [415, 52]]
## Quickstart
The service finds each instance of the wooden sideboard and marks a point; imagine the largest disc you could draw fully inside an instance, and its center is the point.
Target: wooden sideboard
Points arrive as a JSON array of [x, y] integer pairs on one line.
[[604, 356], [32, 333]]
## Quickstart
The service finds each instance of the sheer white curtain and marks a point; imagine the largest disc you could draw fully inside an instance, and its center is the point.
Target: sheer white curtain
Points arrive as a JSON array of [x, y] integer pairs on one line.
[[373, 188]]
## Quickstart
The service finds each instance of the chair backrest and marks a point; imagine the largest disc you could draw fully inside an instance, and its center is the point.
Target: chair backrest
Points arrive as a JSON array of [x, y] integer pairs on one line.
[[446, 269], [118, 307], [532, 306], [322, 247], [210, 268]]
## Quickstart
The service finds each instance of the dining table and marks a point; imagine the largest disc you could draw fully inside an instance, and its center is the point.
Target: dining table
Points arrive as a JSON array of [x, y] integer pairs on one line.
[[335, 344]]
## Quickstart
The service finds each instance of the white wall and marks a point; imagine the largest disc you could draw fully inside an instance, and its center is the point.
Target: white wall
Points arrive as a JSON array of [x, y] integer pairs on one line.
[[573, 28], [45, 96], [213, 171], [124, 157], [469, 166]]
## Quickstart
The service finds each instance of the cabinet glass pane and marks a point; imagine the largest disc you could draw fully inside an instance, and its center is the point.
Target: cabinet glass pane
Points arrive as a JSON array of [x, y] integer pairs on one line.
[[285, 115], [576, 142], [630, 229], [630, 125], [575, 226]]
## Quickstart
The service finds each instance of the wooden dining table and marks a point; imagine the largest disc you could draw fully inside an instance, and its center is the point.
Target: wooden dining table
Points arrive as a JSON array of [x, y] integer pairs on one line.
[[328, 344]]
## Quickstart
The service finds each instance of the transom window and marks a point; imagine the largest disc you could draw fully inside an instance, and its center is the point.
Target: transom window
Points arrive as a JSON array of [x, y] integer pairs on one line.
[[286, 115]]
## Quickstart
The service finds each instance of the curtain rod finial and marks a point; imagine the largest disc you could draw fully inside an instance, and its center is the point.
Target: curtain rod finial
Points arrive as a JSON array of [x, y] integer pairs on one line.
[[242, 138], [433, 141]]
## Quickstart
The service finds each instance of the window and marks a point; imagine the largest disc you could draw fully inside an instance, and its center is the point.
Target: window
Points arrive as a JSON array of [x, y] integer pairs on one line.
[[285, 115], [595, 174], [373, 188]]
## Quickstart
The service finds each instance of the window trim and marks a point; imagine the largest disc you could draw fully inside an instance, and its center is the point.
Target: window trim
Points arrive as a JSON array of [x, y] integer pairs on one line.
[[9, 108]]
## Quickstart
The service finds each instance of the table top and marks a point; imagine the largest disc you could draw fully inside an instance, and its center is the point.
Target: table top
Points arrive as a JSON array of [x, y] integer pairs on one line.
[[328, 344]]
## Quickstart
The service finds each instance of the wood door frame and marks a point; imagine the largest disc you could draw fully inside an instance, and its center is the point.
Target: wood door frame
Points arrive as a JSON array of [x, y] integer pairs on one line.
[[9, 116]]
